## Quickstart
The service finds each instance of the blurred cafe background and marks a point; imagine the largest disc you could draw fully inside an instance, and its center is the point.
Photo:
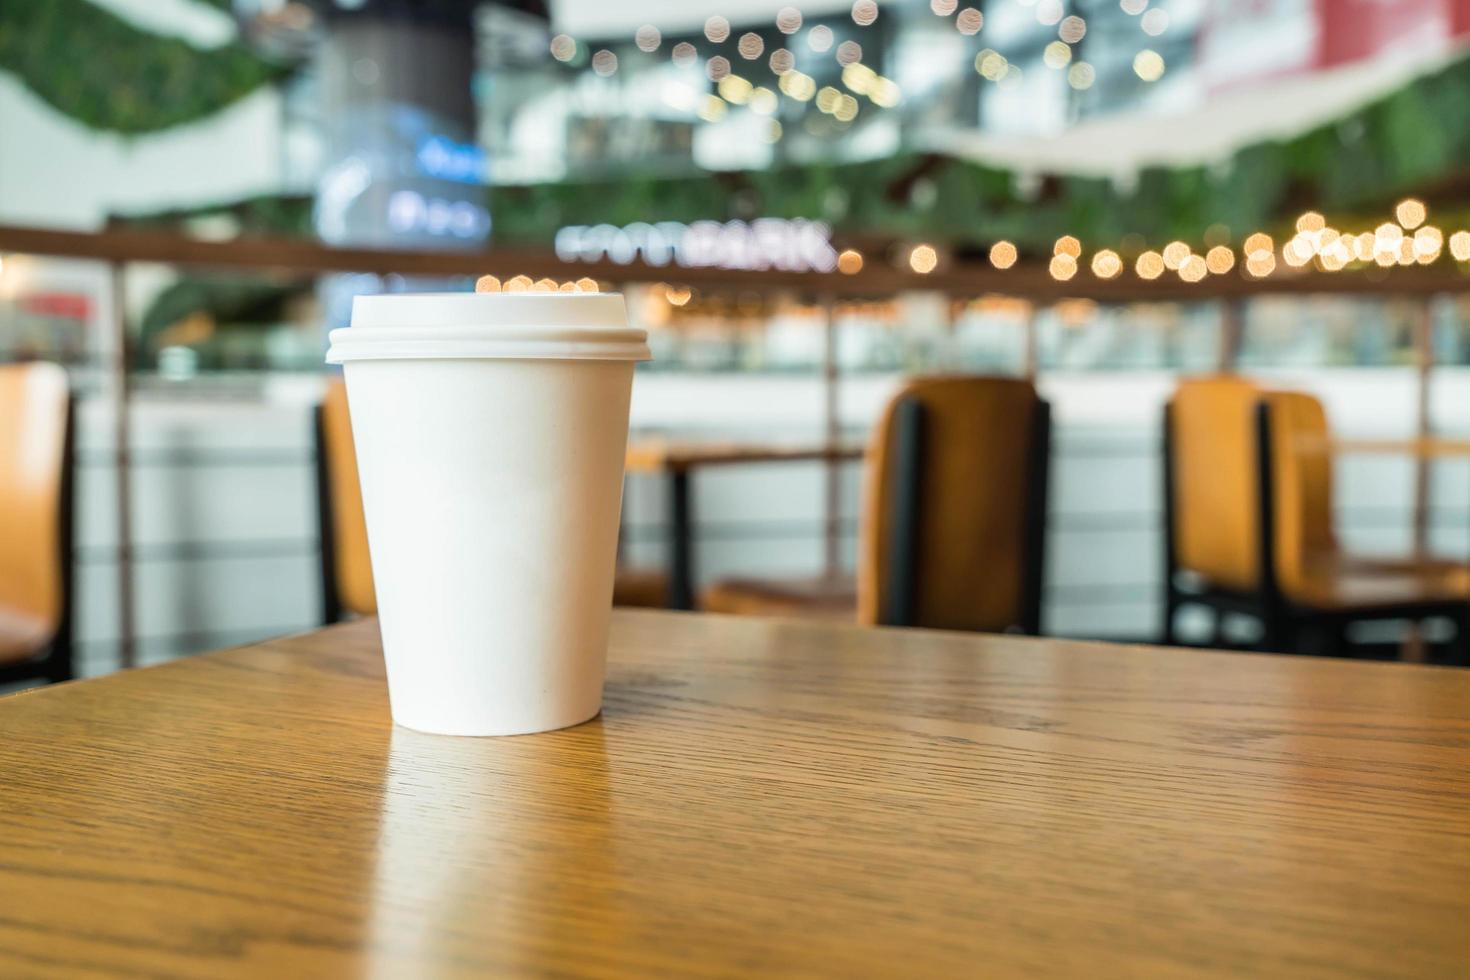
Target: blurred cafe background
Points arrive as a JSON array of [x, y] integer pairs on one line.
[[808, 206]]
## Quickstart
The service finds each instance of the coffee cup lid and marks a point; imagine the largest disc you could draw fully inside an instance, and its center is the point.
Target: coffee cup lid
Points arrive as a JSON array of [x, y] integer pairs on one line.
[[556, 326]]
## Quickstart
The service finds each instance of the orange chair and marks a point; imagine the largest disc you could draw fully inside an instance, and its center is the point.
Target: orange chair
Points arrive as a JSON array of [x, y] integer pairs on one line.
[[1248, 500], [953, 521], [36, 463], [347, 573]]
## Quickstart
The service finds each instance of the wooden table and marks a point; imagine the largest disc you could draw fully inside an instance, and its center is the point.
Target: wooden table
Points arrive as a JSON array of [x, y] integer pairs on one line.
[[677, 460], [1431, 447], [758, 798]]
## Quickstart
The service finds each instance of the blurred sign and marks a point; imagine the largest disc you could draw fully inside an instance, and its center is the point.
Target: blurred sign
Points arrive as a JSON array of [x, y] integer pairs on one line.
[[442, 157], [787, 244]]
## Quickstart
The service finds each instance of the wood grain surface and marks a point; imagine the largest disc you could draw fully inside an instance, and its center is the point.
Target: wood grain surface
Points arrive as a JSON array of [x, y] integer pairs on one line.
[[758, 798]]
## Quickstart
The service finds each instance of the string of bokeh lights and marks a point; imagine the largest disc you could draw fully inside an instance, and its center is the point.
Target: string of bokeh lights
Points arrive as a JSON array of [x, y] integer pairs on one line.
[[733, 89], [1408, 240]]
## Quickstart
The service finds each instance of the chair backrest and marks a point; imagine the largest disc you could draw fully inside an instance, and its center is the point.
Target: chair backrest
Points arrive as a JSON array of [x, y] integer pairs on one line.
[[347, 569], [35, 483], [954, 506], [1300, 478], [1214, 485]]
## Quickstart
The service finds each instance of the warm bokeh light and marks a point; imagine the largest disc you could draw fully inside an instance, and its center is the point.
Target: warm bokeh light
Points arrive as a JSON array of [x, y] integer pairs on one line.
[[1297, 252], [991, 64], [518, 284], [1107, 264], [885, 93], [712, 108], [1428, 241], [1334, 258], [544, 286], [1220, 260], [1067, 245], [1003, 254], [1155, 22], [763, 101], [1062, 267], [735, 90], [1174, 255], [678, 295], [648, 38], [969, 21], [1363, 246], [1150, 265], [1048, 12], [923, 259], [1072, 29], [587, 285], [1193, 268], [750, 46], [567, 287], [487, 284], [864, 12], [716, 29], [1081, 76], [1258, 242], [1311, 221], [1261, 263], [1148, 65], [846, 109], [943, 8], [717, 67], [782, 61], [827, 97], [849, 52], [1411, 212], [1460, 246], [1406, 252], [850, 262], [859, 78], [788, 20], [563, 48], [684, 54], [798, 86], [1057, 54]]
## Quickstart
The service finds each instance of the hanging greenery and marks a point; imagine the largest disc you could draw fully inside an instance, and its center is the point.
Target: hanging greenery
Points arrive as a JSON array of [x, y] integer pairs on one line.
[[1415, 140], [100, 70]]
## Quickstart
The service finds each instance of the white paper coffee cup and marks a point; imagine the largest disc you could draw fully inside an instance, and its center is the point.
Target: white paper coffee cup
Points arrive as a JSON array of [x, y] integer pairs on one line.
[[491, 431]]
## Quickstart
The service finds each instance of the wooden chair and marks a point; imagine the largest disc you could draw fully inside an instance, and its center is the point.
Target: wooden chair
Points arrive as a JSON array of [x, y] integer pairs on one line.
[[347, 573], [36, 466], [954, 516], [1248, 503]]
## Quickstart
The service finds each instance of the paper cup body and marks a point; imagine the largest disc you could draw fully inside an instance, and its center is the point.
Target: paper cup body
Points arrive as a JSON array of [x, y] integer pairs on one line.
[[490, 440]]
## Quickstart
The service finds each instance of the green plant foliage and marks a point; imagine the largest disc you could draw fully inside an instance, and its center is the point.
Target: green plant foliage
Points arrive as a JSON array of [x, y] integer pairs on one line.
[[1415, 140], [288, 215], [100, 70]]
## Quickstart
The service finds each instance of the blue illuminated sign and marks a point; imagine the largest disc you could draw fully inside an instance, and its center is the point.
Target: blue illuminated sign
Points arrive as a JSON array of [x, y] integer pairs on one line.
[[445, 159]]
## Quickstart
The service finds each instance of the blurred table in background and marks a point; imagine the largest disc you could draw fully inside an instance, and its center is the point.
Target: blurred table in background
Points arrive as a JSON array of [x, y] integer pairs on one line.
[[759, 797], [1431, 447], [677, 460]]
